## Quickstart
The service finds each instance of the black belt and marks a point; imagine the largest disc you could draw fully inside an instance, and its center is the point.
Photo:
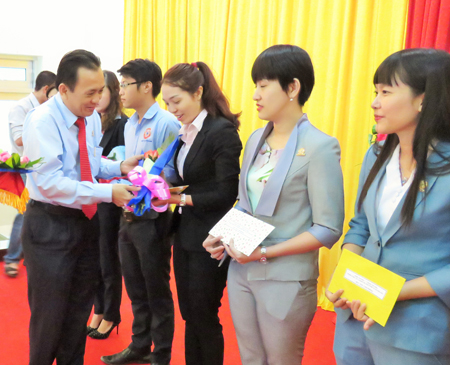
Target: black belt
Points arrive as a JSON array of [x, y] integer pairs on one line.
[[131, 217], [57, 209]]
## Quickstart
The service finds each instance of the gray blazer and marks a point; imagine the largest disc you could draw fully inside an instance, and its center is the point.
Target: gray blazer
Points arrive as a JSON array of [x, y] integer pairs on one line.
[[422, 249], [303, 193]]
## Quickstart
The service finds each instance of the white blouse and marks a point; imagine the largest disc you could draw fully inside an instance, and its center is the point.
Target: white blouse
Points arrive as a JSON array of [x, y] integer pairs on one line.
[[391, 190], [189, 132]]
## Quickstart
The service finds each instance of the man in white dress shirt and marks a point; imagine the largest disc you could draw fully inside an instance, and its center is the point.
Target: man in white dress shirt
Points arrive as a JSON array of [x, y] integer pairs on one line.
[[61, 229], [16, 119]]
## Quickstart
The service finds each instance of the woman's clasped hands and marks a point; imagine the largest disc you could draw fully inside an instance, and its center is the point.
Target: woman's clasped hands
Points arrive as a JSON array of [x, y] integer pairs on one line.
[[217, 248]]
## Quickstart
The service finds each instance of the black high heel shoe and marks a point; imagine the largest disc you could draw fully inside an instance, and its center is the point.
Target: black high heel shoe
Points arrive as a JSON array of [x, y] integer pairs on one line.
[[90, 329], [103, 336]]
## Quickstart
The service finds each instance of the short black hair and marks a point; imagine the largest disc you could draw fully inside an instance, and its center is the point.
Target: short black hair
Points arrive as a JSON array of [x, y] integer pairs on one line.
[[284, 63], [44, 78], [142, 71], [49, 90], [68, 67]]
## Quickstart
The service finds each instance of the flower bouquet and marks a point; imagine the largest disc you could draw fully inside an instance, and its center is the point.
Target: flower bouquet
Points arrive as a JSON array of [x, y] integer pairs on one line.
[[147, 176], [375, 137], [12, 188]]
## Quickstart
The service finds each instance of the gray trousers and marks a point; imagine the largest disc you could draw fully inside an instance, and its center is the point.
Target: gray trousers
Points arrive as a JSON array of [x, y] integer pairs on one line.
[[271, 318]]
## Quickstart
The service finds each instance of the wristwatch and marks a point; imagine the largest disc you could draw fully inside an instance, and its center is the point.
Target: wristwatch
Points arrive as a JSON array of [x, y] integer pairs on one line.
[[263, 259], [182, 200]]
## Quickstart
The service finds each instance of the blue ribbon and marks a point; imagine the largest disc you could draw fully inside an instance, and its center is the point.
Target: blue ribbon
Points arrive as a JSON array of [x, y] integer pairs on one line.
[[144, 195], [19, 171]]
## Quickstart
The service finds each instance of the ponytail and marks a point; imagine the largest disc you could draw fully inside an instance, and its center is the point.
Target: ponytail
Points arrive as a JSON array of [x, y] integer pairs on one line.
[[189, 77]]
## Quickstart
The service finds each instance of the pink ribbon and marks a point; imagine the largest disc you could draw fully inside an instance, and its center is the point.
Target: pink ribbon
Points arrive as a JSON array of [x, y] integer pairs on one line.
[[154, 183]]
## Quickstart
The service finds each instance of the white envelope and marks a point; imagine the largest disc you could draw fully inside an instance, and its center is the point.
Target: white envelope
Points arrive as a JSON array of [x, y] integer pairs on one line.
[[247, 231]]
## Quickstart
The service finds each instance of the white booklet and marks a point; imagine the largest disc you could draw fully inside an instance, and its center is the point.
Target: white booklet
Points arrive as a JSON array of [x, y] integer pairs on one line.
[[246, 231]]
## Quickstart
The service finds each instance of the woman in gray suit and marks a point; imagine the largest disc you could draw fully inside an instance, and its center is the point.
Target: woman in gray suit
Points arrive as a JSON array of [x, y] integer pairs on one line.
[[402, 216], [292, 179]]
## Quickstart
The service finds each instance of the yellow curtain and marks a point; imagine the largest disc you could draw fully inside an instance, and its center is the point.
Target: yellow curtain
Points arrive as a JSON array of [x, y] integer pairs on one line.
[[346, 39]]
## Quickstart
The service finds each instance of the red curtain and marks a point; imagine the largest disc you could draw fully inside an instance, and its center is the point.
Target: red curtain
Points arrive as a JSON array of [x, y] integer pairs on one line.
[[428, 24]]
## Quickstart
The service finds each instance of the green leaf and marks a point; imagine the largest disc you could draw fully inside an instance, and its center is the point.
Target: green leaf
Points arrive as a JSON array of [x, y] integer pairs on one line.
[[15, 159], [148, 164], [167, 141], [32, 163]]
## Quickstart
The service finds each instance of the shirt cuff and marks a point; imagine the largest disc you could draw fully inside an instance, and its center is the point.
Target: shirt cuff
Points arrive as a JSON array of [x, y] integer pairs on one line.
[[109, 169], [438, 280], [103, 192], [326, 236]]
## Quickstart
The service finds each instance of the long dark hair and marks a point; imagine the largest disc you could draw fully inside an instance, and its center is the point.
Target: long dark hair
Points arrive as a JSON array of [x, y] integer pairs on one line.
[[189, 77], [115, 104], [425, 71]]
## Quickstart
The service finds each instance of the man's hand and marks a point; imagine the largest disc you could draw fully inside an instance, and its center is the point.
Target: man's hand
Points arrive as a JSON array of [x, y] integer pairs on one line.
[[130, 163], [121, 193]]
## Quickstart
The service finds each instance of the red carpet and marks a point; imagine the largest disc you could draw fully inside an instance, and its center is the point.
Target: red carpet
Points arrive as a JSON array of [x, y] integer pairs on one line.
[[14, 317]]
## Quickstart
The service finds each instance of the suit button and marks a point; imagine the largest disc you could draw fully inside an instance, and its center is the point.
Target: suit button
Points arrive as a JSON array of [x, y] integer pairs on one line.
[[378, 243]]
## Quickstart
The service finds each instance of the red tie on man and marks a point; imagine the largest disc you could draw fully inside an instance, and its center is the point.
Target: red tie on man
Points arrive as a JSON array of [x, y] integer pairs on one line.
[[85, 168]]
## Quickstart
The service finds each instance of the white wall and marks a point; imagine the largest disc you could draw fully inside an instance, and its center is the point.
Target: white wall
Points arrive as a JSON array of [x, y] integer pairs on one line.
[[51, 28]]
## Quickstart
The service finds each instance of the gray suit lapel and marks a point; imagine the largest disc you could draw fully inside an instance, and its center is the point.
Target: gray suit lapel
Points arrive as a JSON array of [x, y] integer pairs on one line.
[[396, 221], [254, 144], [370, 203], [272, 190]]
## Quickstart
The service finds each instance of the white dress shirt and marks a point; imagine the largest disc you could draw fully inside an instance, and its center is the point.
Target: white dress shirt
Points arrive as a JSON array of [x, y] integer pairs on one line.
[[189, 132], [391, 191], [50, 132], [16, 118]]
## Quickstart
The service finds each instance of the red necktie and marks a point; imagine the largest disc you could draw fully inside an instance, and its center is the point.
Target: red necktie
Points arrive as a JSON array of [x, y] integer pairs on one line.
[[85, 168]]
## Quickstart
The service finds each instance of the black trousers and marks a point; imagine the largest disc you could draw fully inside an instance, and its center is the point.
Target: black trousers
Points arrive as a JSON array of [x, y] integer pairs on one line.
[[62, 266], [200, 284], [109, 292], [145, 252]]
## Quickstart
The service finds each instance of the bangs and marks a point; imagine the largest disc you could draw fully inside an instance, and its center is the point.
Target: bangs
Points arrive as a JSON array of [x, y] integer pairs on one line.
[[264, 68], [391, 71]]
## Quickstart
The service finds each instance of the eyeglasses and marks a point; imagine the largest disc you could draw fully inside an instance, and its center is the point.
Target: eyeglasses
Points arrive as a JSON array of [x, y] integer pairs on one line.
[[125, 84]]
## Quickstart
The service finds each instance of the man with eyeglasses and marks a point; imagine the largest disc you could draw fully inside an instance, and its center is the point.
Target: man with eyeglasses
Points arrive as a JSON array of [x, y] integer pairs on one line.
[[144, 245]]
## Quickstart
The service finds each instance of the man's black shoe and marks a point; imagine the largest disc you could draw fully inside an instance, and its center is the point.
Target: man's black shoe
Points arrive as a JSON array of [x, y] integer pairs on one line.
[[125, 357]]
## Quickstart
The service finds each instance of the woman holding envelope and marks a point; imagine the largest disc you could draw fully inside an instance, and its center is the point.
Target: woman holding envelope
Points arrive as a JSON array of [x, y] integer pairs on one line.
[[208, 162], [402, 216], [290, 178]]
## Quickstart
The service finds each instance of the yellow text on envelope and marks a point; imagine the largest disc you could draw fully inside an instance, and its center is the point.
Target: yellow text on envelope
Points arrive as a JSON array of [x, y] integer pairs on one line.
[[368, 282]]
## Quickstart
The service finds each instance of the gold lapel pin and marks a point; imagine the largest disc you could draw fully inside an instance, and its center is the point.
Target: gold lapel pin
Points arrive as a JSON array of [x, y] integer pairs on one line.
[[301, 152], [92, 133], [422, 186]]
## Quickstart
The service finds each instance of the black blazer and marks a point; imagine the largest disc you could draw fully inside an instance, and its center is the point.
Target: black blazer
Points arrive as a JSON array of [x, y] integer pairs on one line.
[[211, 170], [114, 136]]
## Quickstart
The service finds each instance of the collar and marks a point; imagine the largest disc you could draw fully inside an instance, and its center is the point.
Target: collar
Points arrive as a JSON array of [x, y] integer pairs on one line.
[[68, 116], [272, 190], [197, 123], [149, 114], [34, 100]]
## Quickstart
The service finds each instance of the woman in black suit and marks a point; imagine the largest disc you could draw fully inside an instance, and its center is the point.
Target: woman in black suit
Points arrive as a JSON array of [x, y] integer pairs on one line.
[[109, 294], [207, 161]]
